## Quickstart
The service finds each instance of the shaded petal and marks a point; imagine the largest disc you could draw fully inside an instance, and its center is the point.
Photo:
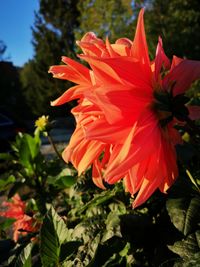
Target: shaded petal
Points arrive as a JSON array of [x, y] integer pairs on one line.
[[97, 174], [194, 112], [146, 190], [183, 74], [160, 59], [89, 151], [175, 61]]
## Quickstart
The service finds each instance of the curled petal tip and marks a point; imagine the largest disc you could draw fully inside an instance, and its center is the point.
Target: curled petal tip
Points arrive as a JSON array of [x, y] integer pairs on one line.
[[50, 70], [89, 36]]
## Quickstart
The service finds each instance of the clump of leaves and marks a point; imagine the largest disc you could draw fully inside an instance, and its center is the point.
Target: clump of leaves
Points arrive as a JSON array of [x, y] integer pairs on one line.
[[82, 225]]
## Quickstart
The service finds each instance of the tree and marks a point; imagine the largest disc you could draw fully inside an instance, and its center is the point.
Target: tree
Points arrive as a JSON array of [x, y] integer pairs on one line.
[[53, 36], [113, 18], [177, 22]]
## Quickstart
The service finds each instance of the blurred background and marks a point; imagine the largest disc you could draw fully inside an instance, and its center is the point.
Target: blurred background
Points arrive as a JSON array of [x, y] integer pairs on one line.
[[34, 34]]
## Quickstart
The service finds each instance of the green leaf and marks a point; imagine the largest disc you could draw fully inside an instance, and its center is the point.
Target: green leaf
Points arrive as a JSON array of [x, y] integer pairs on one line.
[[4, 183], [186, 248], [112, 227], [184, 213], [85, 257], [99, 199], [59, 226], [68, 249], [66, 178], [65, 181], [24, 258], [15, 188], [193, 262], [86, 254], [119, 208], [112, 261], [28, 150], [7, 223], [68, 263], [53, 233], [49, 247], [6, 156]]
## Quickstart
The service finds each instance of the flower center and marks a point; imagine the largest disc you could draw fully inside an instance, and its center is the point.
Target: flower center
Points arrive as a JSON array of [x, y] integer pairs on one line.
[[166, 106]]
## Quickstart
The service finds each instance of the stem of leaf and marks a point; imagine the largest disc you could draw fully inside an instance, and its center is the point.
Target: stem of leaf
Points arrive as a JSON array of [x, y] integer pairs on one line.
[[54, 147]]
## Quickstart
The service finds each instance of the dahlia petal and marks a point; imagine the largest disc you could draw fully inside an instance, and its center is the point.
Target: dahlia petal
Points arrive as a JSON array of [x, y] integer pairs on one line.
[[160, 59], [194, 112], [76, 138], [147, 189], [121, 50], [102, 67], [83, 71], [91, 45], [74, 92], [123, 46], [97, 174], [175, 61], [183, 74], [122, 69], [117, 102], [127, 184], [106, 156], [153, 177], [121, 162], [124, 41], [65, 72], [90, 49], [89, 37], [139, 48], [111, 51], [109, 134], [168, 166], [89, 152], [119, 154], [134, 180]]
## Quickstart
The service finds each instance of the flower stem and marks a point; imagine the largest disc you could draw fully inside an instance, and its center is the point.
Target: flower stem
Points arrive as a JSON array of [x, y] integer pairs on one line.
[[54, 146]]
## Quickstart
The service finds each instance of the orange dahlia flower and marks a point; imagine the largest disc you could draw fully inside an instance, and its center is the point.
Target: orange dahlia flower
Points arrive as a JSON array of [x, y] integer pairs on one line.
[[16, 210], [127, 110]]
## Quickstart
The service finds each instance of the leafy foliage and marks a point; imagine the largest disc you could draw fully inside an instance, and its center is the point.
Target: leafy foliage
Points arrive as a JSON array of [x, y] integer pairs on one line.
[[24, 258], [110, 18], [83, 226]]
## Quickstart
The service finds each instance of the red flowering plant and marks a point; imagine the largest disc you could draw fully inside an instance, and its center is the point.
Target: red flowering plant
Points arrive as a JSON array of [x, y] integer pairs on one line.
[[136, 132], [16, 209], [127, 111]]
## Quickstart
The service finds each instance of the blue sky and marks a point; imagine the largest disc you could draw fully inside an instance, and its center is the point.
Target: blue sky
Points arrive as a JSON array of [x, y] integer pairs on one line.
[[16, 19]]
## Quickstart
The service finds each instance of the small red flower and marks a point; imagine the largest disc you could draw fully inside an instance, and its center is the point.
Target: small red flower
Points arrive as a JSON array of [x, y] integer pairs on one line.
[[127, 110], [16, 210]]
